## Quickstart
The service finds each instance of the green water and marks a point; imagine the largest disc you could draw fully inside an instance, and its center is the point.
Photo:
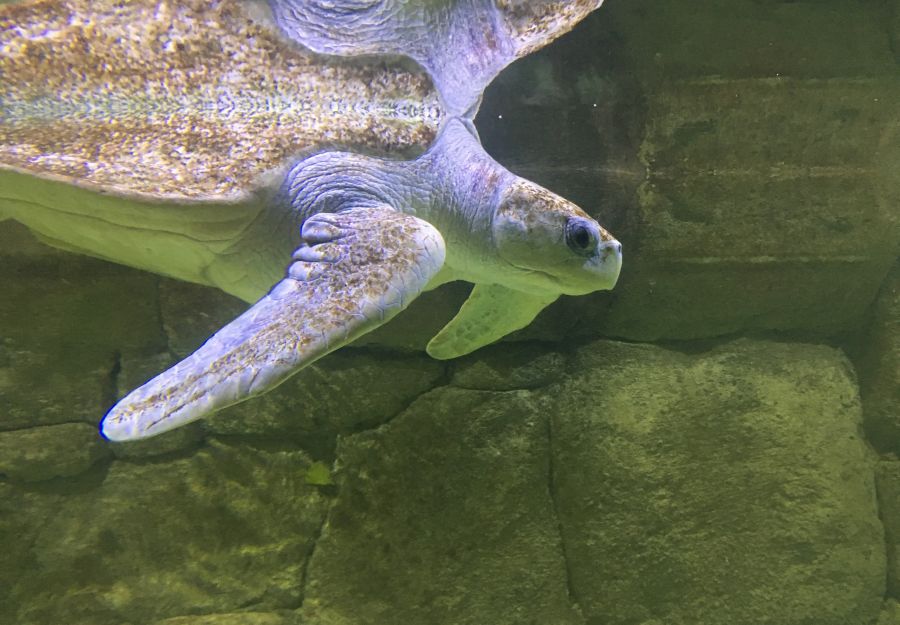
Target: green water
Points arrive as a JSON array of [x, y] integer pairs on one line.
[[713, 442]]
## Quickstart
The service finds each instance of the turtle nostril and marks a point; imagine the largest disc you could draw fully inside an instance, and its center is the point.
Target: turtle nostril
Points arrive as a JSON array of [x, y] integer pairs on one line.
[[608, 248]]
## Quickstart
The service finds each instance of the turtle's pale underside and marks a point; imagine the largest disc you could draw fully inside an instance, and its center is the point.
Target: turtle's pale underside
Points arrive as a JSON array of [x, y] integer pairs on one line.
[[223, 141]]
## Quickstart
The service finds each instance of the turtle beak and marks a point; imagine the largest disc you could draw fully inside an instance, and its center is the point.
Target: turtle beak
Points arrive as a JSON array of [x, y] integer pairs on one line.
[[601, 252], [606, 263]]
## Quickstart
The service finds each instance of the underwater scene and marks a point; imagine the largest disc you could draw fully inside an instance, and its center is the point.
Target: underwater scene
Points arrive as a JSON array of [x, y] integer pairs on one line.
[[523, 312]]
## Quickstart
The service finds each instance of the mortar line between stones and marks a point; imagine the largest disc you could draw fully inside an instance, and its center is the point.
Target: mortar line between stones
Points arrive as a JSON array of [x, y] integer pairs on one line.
[[887, 539], [892, 39], [45, 425], [115, 371], [304, 583], [551, 489], [160, 315], [441, 381]]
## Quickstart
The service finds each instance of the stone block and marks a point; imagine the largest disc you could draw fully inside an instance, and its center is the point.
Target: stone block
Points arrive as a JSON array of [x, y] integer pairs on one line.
[[443, 517], [234, 618], [728, 486], [754, 38], [879, 369], [223, 529], [893, 17], [65, 320], [23, 511], [768, 206], [890, 615], [510, 367], [888, 481], [17, 241], [753, 187], [42, 453], [191, 313]]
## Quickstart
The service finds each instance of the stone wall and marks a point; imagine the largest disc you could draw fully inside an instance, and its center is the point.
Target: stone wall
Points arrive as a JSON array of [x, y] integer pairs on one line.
[[713, 442]]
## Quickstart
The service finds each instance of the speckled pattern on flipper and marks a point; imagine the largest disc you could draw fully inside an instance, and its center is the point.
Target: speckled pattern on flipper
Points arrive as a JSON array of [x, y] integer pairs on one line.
[[356, 270]]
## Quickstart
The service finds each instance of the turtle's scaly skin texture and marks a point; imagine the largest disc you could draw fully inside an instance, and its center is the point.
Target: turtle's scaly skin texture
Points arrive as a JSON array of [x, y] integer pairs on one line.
[[531, 21], [361, 264], [201, 104]]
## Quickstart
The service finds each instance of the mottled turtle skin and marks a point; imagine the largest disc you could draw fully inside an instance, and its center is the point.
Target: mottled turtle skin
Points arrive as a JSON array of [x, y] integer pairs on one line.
[[314, 157]]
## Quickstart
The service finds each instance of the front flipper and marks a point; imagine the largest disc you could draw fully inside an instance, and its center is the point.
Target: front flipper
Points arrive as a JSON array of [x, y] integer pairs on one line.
[[355, 270], [491, 312]]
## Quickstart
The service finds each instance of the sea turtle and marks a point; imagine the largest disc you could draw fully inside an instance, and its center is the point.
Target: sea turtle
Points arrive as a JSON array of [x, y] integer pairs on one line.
[[222, 141]]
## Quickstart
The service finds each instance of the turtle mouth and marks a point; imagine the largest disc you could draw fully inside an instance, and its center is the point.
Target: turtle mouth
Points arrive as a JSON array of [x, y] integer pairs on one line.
[[539, 281], [600, 272]]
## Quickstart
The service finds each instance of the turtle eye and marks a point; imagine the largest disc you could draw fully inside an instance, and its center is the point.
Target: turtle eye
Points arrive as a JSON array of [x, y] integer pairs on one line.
[[580, 237]]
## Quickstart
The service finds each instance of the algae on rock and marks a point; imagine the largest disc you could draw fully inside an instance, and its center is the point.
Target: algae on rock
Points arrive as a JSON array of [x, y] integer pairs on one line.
[[728, 486], [443, 516], [45, 452], [227, 527]]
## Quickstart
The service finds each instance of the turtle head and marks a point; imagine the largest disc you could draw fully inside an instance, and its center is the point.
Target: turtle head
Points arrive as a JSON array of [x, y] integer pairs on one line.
[[532, 24], [554, 245]]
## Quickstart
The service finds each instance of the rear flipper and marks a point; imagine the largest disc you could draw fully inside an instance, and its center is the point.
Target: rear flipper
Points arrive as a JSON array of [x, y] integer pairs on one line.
[[462, 43], [491, 312], [355, 271]]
